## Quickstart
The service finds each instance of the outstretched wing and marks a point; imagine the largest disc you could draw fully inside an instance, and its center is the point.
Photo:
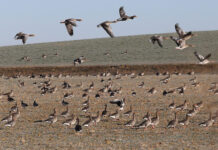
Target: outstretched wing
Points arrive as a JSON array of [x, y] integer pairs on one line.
[[122, 12], [152, 39], [18, 35], [175, 40], [24, 38], [108, 30], [199, 57], [159, 43], [207, 56], [187, 36], [69, 28], [179, 31]]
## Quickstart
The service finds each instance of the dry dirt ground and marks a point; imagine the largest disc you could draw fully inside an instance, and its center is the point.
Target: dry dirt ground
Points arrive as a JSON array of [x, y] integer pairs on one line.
[[108, 133]]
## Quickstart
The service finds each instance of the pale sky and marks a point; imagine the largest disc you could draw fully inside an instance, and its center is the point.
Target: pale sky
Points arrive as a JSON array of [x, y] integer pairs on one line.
[[42, 17]]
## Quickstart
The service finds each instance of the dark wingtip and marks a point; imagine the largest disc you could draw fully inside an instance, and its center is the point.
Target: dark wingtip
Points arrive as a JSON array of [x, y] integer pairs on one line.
[[38, 121]]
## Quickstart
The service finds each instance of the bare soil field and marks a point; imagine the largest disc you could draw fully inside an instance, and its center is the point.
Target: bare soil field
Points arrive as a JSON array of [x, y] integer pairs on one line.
[[121, 55], [108, 133]]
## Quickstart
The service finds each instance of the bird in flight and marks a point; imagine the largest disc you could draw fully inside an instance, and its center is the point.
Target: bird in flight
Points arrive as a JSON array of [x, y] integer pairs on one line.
[[159, 39], [23, 36], [123, 16], [182, 34], [182, 38], [202, 59], [106, 26], [69, 23], [181, 43]]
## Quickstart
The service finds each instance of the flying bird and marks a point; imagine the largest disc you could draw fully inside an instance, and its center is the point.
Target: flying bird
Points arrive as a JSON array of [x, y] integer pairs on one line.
[[182, 34], [179, 31], [123, 16], [181, 43], [183, 37], [106, 26], [69, 23], [23, 36], [159, 39], [202, 59]]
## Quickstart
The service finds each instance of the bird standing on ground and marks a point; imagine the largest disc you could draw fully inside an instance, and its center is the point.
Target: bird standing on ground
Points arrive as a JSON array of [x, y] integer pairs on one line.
[[173, 123], [185, 122], [147, 116], [193, 111], [182, 106], [88, 122], [52, 120], [145, 123], [209, 122], [155, 120], [131, 122], [24, 105], [64, 103], [115, 115], [35, 104], [65, 113], [119, 103], [14, 118], [172, 105], [78, 127], [70, 121], [128, 113], [104, 112], [69, 23]]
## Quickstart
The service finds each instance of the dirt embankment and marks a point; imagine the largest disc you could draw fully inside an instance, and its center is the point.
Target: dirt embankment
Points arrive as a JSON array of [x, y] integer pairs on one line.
[[123, 69]]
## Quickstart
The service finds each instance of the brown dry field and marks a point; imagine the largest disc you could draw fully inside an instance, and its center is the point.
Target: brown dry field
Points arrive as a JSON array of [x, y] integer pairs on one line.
[[108, 134]]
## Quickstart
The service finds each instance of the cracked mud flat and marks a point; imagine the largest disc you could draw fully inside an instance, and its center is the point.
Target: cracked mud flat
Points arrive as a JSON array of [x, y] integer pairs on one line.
[[109, 133]]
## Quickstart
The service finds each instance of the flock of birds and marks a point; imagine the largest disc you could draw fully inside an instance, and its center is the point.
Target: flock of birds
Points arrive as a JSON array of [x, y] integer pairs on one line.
[[180, 41], [70, 23], [147, 120], [120, 103]]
